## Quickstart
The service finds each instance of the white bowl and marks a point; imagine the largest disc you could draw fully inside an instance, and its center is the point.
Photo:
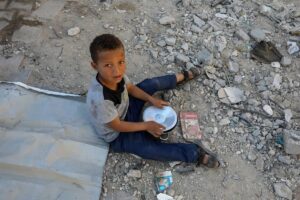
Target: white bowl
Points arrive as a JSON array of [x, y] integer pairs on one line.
[[165, 116]]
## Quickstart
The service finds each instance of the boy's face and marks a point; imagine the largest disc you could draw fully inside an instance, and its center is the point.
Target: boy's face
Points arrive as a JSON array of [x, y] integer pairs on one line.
[[111, 65]]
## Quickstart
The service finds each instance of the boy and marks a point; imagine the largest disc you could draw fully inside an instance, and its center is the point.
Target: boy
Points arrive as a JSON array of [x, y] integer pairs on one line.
[[115, 105]]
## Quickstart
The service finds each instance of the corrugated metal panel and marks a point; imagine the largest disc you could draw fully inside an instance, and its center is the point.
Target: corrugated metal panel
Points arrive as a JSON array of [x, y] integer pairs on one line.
[[48, 148]]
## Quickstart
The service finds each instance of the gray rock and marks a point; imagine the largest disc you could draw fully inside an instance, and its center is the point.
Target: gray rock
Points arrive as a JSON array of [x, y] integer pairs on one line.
[[196, 29], [204, 57], [154, 54], [241, 34], [185, 3], [292, 47], [161, 43], [185, 46], [199, 22], [73, 31], [233, 67], [182, 58], [268, 109], [288, 115], [284, 159], [221, 43], [258, 34], [282, 190], [232, 95], [286, 61], [251, 155], [292, 141], [260, 163], [224, 121], [277, 81], [170, 41], [167, 20]]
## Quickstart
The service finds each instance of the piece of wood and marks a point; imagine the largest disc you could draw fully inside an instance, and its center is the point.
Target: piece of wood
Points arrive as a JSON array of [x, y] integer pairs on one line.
[[190, 126]]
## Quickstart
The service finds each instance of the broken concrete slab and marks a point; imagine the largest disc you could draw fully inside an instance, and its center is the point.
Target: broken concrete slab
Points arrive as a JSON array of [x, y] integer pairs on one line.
[[49, 9], [292, 141], [231, 95], [28, 34]]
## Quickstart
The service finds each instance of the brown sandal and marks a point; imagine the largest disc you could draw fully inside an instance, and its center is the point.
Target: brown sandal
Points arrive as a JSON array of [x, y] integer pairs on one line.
[[194, 71]]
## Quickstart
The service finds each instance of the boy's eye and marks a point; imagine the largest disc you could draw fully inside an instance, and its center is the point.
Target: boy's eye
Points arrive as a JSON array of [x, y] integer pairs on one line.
[[108, 65], [122, 62]]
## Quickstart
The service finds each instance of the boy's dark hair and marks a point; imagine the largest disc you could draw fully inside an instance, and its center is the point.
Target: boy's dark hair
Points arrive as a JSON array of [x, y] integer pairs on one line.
[[104, 42]]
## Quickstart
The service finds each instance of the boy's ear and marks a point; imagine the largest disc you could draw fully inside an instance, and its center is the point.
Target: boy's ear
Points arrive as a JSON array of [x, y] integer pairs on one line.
[[94, 65]]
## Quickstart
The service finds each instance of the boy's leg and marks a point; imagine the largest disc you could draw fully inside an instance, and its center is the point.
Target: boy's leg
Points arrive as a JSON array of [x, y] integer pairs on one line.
[[146, 146], [149, 86]]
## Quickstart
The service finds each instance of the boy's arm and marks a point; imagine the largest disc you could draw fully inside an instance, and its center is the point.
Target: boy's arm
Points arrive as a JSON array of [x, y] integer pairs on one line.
[[153, 128], [140, 94]]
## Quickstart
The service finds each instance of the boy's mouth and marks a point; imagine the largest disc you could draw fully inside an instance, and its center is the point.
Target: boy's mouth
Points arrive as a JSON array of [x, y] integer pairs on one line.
[[118, 77]]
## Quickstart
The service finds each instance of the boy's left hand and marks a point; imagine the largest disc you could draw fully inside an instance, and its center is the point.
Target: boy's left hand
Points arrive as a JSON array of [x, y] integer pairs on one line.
[[158, 102]]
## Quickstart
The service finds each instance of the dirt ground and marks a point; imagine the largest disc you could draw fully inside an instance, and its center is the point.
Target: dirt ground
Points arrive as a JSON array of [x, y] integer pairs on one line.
[[54, 60]]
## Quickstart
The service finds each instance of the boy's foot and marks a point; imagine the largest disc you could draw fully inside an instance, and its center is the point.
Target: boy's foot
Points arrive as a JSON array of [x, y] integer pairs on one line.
[[208, 160], [189, 74]]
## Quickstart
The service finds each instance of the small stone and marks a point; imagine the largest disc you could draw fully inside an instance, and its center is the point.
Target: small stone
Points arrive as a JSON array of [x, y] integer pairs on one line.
[[292, 142], [288, 115], [258, 34], [285, 159], [277, 81], [204, 57], [241, 34], [275, 64], [167, 20], [196, 29], [233, 67], [170, 41], [221, 43], [199, 22], [182, 58], [265, 10], [185, 46], [224, 121], [282, 190], [292, 47], [233, 95], [260, 163], [154, 54], [161, 43], [162, 196], [251, 156], [268, 109], [286, 61], [134, 173], [73, 31]]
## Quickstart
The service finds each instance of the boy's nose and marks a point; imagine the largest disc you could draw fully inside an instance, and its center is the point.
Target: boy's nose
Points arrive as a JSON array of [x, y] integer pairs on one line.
[[116, 70]]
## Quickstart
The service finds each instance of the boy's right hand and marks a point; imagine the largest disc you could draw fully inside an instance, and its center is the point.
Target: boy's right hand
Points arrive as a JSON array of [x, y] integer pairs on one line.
[[154, 128]]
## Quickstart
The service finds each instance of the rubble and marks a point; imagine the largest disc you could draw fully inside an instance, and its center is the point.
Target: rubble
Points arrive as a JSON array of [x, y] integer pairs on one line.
[[283, 191], [246, 97]]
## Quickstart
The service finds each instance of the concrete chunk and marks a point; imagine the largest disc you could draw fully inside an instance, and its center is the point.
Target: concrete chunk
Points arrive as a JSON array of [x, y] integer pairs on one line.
[[292, 142]]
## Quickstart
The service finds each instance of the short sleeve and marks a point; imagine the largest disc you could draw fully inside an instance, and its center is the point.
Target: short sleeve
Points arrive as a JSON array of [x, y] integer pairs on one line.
[[106, 112]]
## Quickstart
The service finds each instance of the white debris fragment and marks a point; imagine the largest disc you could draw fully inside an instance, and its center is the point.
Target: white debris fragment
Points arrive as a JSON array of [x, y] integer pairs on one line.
[[275, 64], [277, 81], [167, 20], [233, 95], [162, 196], [292, 47], [73, 31], [268, 109], [134, 173], [288, 115]]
